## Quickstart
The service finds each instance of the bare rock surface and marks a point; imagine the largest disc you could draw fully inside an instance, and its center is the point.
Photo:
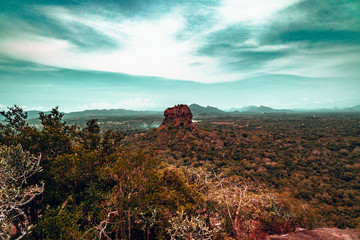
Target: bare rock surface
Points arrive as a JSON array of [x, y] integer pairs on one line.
[[319, 234], [177, 116]]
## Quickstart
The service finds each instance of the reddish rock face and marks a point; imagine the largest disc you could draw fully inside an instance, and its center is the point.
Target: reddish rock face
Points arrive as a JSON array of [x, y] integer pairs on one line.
[[178, 115], [319, 234]]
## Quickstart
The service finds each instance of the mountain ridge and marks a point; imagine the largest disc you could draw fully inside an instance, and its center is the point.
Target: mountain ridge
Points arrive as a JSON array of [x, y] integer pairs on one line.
[[196, 109]]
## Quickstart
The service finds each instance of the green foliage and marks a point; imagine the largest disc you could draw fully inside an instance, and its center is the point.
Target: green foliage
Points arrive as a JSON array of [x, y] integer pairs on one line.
[[15, 117], [313, 157], [60, 223], [189, 227], [16, 167], [53, 119], [74, 171], [110, 141], [55, 137], [157, 185], [90, 135]]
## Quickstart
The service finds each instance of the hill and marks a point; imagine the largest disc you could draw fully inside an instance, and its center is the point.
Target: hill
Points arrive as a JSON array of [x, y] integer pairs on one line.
[[352, 109], [196, 109], [260, 109], [120, 119], [356, 108], [200, 110], [109, 113], [33, 114]]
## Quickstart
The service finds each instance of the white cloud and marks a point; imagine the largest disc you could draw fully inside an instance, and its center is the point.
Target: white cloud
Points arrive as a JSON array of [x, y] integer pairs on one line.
[[43, 50], [134, 104], [146, 47], [316, 63], [38, 108], [137, 103], [151, 47], [251, 11]]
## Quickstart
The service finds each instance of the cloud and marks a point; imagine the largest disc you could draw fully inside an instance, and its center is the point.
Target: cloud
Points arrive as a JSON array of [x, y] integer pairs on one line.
[[161, 46], [252, 12], [339, 15], [318, 63], [8, 65], [37, 108], [289, 37], [137, 104], [204, 41], [43, 50], [309, 22], [143, 47]]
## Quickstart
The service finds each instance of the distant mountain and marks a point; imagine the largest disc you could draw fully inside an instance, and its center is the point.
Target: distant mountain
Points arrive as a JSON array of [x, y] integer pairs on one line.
[[109, 113], [34, 114], [260, 109], [243, 109], [331, 110], [352, 109], [265, 109], [255, 109], [200, 110], [195, 109], [356, 108]]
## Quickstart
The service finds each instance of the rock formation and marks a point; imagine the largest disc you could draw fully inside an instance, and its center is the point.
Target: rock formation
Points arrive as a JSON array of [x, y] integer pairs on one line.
[[178, 115], [319, 234]]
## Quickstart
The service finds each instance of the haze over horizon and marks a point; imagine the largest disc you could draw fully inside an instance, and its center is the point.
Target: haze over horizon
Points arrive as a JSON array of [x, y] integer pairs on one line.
[[146, 55]]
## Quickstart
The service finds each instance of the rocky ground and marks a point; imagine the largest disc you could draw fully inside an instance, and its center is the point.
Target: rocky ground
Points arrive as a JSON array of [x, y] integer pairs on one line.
[[319, 234]]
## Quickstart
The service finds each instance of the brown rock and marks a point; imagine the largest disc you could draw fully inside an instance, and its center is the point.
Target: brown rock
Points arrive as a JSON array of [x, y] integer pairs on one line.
[[319, 234], [178, 115]]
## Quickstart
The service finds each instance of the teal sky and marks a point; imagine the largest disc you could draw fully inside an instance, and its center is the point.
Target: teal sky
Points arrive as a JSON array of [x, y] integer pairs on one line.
[[156, 53]]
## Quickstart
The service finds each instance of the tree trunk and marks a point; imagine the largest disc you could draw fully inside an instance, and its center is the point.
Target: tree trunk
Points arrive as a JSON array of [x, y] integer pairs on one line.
[[129, 227]]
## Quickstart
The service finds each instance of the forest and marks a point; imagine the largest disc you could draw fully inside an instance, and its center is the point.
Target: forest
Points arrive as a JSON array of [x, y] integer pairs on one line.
[[223, 177]]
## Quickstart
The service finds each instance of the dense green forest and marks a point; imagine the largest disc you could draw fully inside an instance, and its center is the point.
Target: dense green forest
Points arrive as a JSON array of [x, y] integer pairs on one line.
[[226, 177], [314, 158]]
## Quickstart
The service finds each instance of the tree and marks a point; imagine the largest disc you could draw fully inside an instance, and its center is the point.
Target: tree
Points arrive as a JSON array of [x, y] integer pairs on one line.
[[16, 167], [55, 135], [16, 122], [90, 134], [192, 228], [15, 117], [53, 119]]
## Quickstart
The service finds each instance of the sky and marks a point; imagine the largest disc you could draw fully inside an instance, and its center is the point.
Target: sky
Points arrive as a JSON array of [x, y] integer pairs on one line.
[[152, 54]]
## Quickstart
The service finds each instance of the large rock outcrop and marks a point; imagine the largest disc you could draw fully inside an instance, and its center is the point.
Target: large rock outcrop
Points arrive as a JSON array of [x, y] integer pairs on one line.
[[178, 115]]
